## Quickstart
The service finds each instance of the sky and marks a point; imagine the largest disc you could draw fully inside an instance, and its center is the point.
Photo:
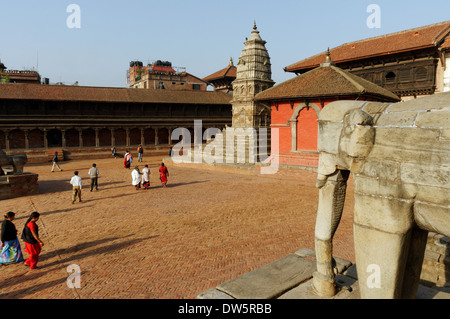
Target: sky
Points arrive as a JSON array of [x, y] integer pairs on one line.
[[199, 35]]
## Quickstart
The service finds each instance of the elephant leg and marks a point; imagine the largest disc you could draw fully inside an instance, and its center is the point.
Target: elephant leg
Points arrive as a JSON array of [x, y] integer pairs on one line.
[[380, 261], [331, 204], [414, 263]]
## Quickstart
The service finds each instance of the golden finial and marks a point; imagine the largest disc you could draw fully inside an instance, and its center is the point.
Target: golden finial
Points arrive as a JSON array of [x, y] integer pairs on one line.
[[327, 61]]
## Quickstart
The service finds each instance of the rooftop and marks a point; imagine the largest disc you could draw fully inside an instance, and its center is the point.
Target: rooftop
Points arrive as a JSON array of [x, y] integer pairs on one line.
[[413, 39], [107, 94], [325, 81], [228, 72]]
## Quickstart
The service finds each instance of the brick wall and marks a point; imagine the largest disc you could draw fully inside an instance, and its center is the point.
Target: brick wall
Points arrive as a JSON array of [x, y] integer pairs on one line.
[[436, 264], [13, 186]]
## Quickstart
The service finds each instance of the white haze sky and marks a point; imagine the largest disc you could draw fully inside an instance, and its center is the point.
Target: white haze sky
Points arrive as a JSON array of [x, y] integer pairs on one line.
[[199, 35]]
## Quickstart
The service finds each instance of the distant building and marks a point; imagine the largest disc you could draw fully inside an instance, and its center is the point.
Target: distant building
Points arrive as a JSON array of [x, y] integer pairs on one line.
[[161, 75], [409, 63], [16, 76], [222, 80], [79, 121]]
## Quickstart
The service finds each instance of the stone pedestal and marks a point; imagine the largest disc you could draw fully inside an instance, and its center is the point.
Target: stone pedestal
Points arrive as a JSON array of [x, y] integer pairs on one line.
[[290, 278], [12, 186]]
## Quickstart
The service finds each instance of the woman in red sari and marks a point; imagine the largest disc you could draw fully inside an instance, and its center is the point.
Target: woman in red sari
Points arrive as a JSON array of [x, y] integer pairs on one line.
[[33, 243], [163, 174]]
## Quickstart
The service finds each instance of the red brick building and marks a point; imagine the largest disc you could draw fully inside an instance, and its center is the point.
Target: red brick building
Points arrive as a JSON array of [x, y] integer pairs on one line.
[[161, 75], [296, 104]]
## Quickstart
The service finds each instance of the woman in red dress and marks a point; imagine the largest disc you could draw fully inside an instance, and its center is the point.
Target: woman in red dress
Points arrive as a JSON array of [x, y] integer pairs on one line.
[[33, 243], [163, 174]]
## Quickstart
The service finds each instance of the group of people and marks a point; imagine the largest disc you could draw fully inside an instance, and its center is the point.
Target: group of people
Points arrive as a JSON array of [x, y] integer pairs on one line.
[[11, 251], [10, 248], [139, 178], [142, 179]]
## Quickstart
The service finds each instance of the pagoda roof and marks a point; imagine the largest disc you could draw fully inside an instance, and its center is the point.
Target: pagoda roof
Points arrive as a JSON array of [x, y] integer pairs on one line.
[[228, 72], [326, 81], [413, 39]]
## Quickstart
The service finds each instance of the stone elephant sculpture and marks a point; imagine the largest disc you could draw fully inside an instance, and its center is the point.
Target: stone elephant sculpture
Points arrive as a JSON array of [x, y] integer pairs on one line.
[[17, 161], [399, 158]]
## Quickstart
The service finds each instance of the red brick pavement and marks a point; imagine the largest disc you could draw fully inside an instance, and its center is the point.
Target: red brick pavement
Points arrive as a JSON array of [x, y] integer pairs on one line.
[[208, 226]]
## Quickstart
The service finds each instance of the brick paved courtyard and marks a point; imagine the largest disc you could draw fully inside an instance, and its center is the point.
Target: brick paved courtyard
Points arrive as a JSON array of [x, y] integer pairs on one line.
[[207, 227]]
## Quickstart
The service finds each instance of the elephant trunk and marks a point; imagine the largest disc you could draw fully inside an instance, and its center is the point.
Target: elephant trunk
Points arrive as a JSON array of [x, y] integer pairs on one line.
[[331, 204]]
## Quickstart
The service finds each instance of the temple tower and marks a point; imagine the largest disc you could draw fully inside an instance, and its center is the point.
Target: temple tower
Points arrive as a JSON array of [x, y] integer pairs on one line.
[[253, 75]]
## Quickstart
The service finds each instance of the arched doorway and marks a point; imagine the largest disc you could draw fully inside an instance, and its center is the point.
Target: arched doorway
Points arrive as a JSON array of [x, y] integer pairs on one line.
[[304, 127], [104, 137], [36, 138], [307, 130], [88, 136], [16, 139], [54, 138], [120, 136], [72, 138]]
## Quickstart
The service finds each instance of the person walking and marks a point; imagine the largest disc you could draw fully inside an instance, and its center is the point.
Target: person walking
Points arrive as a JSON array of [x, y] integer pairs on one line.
[[114, 152], [55, 161], [33, 244], [11, 251], [128, 159], [146, 177], [93, 173], [140, 150], [76, 187], [163, 174], [136, 178]]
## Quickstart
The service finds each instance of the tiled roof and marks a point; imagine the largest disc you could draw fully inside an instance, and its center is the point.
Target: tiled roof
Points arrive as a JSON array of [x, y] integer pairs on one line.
[[229, 71], [408, 40], [105, 94], [326, 81], [446, 43]]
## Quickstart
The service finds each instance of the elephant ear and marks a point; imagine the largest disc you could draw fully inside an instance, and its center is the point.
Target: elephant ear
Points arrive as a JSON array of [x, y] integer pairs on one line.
[[358, 134]]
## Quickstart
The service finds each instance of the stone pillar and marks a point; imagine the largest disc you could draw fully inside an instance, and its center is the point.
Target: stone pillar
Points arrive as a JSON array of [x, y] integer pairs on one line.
[[142, 137], [27, 141], [97, 140], [7, 140], [63, 137], [80, 137], [113, 139], [45, 138], [127, 130], [169, 130], [293, 135]]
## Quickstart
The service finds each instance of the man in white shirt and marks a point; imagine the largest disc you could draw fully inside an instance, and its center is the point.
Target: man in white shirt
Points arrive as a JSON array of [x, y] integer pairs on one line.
[[76, 184]]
